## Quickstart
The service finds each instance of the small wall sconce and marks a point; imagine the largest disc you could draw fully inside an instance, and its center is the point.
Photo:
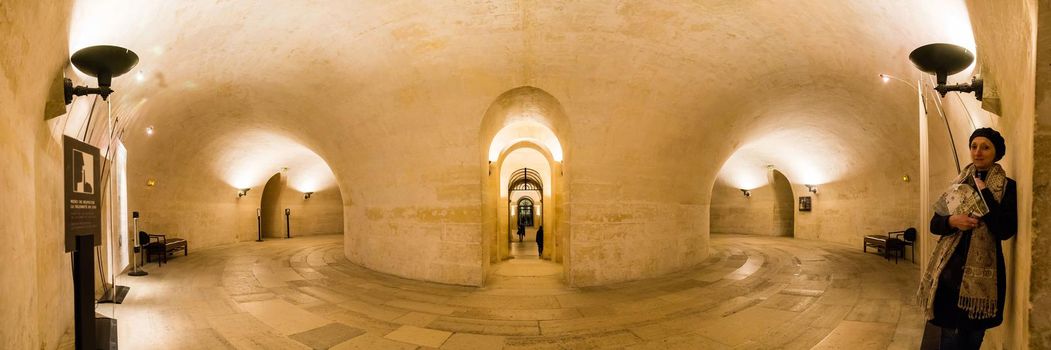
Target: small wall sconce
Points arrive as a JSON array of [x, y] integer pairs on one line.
[[746, 193], [905, 178], [149, 131], [306, 195], [151, 182], [242, 192], [490, 168], [811, 188]]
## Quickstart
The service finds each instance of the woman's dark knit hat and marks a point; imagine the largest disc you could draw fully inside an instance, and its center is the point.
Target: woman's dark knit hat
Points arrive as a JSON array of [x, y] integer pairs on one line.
[[995, 138]]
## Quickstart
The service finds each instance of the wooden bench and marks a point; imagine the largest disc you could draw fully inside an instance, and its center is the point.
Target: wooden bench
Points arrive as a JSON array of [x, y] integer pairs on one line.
[[891, 242], [161, 245]]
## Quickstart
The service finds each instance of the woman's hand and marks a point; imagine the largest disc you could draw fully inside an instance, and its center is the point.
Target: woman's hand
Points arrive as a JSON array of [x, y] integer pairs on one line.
[[963, 222], [978, 182]]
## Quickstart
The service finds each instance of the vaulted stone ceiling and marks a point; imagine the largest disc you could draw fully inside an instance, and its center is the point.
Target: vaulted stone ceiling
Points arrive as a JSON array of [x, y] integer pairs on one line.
[[656, 95]]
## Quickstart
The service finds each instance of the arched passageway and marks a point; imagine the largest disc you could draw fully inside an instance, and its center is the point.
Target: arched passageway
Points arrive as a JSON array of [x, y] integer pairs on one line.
[[271, 218], [525, 213], [521, 130], [526, 178]]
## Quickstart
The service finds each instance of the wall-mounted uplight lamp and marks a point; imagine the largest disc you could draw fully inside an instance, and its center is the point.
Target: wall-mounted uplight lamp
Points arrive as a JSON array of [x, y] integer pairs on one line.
[[906, 178], [103, 62], [242, 192], [306, 195], [811, 188], [149, 130], [746, 193], [944, 60], [151, 182]]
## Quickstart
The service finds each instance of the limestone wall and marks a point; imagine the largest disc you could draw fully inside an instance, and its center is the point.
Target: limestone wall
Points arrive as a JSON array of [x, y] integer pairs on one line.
[[732, 212], [766, 211], [37, 306], [1006, 33], [321, 214], [847, 211], [1040, 289]]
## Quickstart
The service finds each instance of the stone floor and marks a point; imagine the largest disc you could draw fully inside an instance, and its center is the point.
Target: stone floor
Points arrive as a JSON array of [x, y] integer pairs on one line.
[[753, 293]]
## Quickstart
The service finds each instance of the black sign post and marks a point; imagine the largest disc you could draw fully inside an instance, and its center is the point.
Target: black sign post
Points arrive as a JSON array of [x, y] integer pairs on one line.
[[83, 231]]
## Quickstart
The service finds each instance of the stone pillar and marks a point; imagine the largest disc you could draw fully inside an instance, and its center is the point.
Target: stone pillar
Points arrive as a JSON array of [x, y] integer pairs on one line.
[[1040, 283]]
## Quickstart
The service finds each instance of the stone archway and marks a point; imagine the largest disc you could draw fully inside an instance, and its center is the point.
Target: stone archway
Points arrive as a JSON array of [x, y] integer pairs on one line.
[[784, 205], [525, 118]]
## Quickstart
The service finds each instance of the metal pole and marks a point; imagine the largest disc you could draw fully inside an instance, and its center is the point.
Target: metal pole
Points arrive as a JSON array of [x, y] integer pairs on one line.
[[952, 141], [135, 271], [288, 225], [259, 223], [84, 293], [925, 241]]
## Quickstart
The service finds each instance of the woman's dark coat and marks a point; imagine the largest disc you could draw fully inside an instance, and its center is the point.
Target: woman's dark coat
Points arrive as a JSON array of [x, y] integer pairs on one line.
[[1002, 221]]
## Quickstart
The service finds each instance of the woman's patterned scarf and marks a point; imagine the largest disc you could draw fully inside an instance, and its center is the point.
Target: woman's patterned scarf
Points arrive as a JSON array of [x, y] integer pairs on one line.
[[978, 292]]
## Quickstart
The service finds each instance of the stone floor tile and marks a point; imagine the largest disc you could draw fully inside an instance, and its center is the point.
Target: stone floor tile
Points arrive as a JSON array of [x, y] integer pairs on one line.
[[689, 341], [372, 342], [418, 319], [379, 312], [327, 336], [439, 309], [419, 336], [788, 302], [735, 329], [282, 316], [467, 341], [858, 336], [875, 310]]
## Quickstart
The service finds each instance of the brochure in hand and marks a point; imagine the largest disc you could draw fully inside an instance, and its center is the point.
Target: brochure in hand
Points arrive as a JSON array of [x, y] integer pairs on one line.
[[961, 199]]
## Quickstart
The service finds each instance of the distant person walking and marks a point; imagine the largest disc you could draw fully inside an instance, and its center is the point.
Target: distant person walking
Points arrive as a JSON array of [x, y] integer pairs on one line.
[[540, 240], [521, 233]]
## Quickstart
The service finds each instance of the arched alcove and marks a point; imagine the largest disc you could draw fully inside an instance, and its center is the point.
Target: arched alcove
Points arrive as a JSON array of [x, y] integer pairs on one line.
[[197, 196], [765, 206], [784, 207]]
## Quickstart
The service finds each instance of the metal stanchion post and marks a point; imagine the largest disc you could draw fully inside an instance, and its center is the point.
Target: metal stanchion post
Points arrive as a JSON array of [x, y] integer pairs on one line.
[[136, 271], [259, 223], [288, 225]]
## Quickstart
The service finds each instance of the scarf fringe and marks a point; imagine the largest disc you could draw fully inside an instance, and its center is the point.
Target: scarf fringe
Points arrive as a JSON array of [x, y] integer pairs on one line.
[[978, 308]]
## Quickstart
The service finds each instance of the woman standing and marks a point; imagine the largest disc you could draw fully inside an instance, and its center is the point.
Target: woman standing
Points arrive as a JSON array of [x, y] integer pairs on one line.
[[963, 288]]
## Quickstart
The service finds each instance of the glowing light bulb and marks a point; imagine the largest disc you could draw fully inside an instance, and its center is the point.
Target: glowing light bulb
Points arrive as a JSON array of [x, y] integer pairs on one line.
[[149, 131], [140, 77], [884, 77]]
